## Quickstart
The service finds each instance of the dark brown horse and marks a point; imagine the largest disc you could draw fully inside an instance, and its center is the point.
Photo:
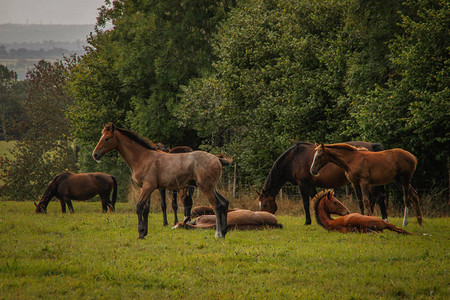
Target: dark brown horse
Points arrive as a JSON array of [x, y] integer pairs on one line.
[[186, 193], [153, 169], [293, 166], [364, 168], [67, 186], [325, 204], [240, 219]]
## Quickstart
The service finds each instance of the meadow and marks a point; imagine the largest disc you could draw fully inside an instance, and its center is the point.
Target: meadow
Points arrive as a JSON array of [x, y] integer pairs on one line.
[[91, 255]]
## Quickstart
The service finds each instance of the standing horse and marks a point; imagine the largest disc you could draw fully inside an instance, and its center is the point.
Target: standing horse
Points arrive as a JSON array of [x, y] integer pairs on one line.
[[293, 166], [152, 169], [186, 193], [241, 219], [326, 204], [364, 168], [67, 186]]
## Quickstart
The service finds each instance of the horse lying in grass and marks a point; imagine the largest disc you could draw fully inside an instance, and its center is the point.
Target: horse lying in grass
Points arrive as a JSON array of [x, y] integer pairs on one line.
[[326, 204], [240, 219], [67, 186]]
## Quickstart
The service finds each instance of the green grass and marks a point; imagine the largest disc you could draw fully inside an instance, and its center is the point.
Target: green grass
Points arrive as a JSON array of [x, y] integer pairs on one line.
[[93, 255], [5, 147]]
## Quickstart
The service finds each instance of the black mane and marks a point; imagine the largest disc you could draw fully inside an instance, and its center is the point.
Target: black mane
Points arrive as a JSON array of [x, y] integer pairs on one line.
[[317, 198], [140, 140], [280, 172]]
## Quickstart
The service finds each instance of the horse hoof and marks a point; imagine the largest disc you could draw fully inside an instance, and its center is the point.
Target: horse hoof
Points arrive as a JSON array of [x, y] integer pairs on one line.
[[308, 223], [141, 238]]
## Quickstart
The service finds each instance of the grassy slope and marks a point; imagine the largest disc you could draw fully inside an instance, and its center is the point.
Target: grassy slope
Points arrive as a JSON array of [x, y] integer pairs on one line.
[[94, 255]]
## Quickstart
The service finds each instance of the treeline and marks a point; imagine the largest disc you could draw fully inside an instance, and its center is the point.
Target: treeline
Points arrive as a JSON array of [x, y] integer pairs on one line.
[[249, 78], [33, 54]]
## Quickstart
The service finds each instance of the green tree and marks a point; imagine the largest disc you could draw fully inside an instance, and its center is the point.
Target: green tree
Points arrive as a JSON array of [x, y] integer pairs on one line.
[[413, 110], [278, 78], [46, 149]]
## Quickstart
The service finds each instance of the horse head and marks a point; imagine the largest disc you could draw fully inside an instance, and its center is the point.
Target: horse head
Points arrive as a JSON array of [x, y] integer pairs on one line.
[[334, 206], [320, 159], [267, 202], [41, 208], [106, 143]]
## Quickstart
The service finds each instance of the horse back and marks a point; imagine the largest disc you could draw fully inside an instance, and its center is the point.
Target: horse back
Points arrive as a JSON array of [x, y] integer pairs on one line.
[[84, 186]]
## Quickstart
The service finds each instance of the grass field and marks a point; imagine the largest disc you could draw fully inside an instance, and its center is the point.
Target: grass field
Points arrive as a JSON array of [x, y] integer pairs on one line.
[[91, 255]]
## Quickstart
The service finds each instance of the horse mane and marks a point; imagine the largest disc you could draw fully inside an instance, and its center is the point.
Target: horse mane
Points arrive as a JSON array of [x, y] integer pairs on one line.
[[317, 198], [146, 143], [281, 168], [344, 146]]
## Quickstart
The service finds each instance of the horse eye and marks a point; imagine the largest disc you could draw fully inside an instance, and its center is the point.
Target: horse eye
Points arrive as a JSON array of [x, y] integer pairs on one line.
[[107, 139]]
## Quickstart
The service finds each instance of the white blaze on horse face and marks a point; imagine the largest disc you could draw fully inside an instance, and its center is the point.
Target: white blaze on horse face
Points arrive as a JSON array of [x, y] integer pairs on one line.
[[313, 163], [259, 204]]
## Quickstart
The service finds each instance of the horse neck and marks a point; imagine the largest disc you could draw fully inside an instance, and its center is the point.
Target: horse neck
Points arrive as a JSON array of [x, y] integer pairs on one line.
[[274, 183], [323, 217], [131, 152], [50, 191], [342, 158]]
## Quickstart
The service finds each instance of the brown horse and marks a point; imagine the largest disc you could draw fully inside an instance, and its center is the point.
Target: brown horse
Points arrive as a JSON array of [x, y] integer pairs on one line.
[[240, 219], [293, 166], [67, 186], [153, 169], [325, 204], [186, 193], [364, 168]]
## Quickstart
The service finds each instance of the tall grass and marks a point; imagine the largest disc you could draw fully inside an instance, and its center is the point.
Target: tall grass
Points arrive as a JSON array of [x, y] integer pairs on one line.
[[93, 255]]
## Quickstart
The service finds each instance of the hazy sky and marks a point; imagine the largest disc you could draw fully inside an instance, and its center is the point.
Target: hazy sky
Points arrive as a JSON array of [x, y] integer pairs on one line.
[[49, 11]]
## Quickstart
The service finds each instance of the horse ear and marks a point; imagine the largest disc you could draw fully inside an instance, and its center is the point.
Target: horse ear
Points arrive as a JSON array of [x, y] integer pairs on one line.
[[329, 194], [113, 127], [258, 192], [35, 204]]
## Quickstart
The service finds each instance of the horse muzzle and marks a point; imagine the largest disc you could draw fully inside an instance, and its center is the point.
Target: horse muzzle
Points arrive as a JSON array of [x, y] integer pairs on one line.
[[96, 156]]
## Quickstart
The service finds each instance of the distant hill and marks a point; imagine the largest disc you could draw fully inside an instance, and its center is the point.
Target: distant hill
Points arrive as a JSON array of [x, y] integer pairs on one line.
[[34, 33]]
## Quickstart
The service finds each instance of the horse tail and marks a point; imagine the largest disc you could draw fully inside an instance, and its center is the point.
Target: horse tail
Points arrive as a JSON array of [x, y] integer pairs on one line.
[[377, 147], [225, 160], [114, 195]]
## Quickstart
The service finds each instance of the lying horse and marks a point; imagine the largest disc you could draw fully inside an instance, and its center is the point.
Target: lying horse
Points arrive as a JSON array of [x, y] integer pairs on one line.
[[67, 186], [241, 219], [326, 204]]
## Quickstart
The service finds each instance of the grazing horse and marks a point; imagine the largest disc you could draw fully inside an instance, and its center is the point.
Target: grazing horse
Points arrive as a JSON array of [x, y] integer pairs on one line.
[[364, 168], [325, 204], [293, 166], [241, 219], [67, 186], [186, 193], [153, 169]]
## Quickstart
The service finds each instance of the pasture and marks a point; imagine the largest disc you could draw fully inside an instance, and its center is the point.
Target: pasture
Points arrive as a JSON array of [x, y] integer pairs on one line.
[[93, 255]]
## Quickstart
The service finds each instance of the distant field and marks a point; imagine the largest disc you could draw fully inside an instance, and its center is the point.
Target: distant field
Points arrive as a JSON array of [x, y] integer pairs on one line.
[[93, 255]]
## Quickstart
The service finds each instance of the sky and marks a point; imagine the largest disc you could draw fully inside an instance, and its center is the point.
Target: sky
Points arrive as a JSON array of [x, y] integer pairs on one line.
[[49, 11]]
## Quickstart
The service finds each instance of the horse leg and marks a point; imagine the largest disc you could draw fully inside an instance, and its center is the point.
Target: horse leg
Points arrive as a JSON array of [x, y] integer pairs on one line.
[[306, 194], [405, 203], [365, 197], [105, 202], [163, 206], [142, 210], [187, 203], [63, 205], [175, 206], [415, 200], [358, 193], [378, 194], [220, 206]]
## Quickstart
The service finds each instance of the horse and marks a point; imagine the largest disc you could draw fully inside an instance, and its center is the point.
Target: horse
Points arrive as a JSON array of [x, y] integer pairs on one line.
[[293, 166], [67, 186], [240, 219], [186, 193], [153, 169], [325, 204], [364, 168]]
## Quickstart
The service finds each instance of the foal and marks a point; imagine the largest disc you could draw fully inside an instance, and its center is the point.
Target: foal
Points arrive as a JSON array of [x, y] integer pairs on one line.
[[326, 204]]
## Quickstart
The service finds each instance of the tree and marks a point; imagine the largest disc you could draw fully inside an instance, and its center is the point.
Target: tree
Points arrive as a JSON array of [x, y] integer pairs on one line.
[[47, 149]]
